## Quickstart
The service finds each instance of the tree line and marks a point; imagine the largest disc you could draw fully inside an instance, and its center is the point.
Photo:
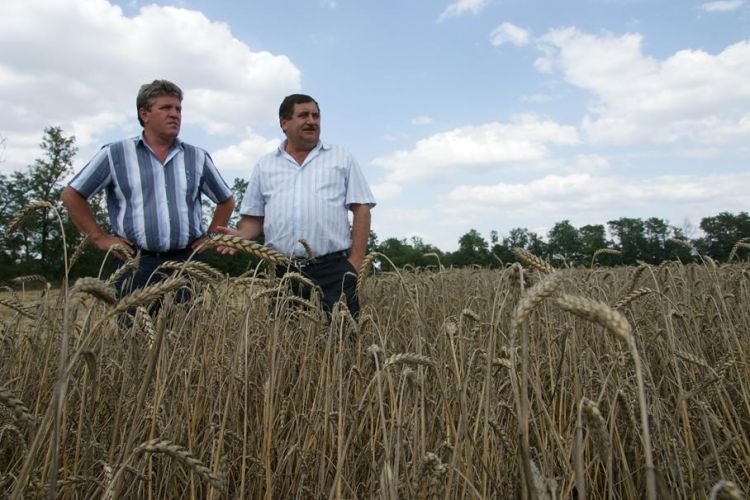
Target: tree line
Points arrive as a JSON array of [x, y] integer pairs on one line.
[[35, 244]]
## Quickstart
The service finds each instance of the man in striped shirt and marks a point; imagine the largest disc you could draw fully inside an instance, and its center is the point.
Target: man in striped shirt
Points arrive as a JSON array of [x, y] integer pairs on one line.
[[153, 184], [304, 190]]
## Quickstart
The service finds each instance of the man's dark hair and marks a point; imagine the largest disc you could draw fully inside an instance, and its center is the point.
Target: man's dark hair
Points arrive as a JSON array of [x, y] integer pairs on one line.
[[150, 91], [287, 105]]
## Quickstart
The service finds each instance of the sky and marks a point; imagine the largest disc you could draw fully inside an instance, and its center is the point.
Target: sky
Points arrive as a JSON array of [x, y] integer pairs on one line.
[[463, 114]]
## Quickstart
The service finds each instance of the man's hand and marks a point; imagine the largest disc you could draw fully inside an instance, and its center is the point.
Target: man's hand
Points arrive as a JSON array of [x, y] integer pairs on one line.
[[355, 262], [106, 241], [231, 232], [199, 244]]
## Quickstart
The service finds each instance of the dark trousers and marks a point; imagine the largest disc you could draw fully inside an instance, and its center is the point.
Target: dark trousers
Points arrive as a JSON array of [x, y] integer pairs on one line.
[[145, 275], [333, 274]]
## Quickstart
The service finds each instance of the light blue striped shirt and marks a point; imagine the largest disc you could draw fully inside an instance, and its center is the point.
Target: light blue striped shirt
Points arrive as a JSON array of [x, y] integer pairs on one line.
[[157, 207], [310, 201]]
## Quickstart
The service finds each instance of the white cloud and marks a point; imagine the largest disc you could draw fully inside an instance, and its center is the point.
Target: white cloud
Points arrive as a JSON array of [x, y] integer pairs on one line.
[[79, 64], [509, 33], [537, 98], [421, 120], [690, 96], [239, 159], [566, 196], [386, 190], [480, 148], [461, 6], [722, 5]]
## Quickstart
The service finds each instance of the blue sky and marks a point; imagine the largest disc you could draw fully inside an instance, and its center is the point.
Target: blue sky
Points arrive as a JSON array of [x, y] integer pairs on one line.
[[485, 114]]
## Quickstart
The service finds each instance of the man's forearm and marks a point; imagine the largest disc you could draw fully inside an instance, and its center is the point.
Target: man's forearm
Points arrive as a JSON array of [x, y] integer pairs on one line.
[[80, 213], [222, 214], [250, 226], [360, 232]]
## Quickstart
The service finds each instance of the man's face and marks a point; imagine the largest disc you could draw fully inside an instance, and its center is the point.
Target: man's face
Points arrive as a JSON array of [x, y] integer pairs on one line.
[[164, 117], [303, 129]]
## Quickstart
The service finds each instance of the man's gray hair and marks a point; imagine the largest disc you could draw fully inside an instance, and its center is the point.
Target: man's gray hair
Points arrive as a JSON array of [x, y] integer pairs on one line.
[[148, 93]]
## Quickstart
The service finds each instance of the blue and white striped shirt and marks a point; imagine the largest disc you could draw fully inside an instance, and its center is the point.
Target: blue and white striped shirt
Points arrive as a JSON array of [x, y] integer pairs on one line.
[[310, 201], [156, 206]]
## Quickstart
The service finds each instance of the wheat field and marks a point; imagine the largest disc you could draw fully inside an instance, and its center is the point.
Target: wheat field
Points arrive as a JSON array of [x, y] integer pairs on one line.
[[524, 382]]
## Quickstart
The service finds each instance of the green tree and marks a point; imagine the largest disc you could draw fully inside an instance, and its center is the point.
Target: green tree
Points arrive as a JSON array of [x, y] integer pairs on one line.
[[593, 237], [630, 237], [656, 233], [472, 249], [38, 244], [564, 240], [722, 232]]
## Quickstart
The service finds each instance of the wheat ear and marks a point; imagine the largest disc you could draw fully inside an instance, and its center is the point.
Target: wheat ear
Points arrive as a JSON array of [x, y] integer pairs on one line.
[[533, 261], [195, 268], [740, 244], [407, 358], [181, 454], [78, 251], [150, 293], [534, 296], [17, 306], [617, 324], [250, 247], [29, 278], [595, 423], [640, 292], [308, 249], [96, 288], [604, 251], [13, 225], [364, 270], [20, 411], [726, 490], [597, 312]]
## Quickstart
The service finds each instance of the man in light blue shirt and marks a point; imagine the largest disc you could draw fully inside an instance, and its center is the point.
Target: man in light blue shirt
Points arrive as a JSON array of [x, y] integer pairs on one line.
[[154, 185], [304, 190]]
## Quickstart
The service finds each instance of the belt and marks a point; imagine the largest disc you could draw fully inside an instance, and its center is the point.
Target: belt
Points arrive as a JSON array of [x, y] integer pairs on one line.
[[166, 254], [305, 262]]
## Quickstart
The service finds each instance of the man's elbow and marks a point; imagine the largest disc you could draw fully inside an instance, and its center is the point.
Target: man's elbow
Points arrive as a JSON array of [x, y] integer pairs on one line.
[[228, 203], [69, 196]]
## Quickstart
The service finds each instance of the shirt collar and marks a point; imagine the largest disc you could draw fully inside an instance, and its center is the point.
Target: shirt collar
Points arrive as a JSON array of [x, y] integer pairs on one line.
[[321, 145], [177, 144]]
